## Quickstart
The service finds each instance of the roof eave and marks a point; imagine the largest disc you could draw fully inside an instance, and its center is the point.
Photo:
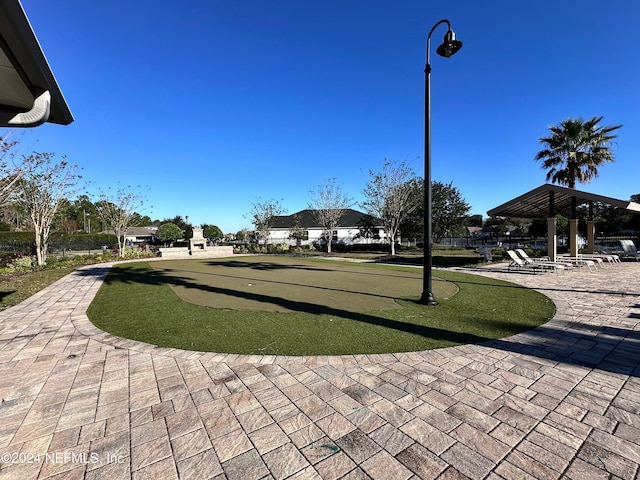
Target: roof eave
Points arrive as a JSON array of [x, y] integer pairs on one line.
[[19, 42]]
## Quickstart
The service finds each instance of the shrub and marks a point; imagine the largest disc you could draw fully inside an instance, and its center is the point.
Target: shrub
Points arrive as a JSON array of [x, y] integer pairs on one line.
[[498, 252], [283, 248], [134, 252], [22, 264]]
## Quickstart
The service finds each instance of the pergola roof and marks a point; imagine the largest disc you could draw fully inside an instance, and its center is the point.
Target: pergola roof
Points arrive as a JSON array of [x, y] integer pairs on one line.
[[547, 200], [29, 93]]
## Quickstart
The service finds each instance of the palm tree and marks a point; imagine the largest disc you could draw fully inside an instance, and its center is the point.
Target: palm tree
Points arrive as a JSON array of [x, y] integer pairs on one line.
[[575, 150]]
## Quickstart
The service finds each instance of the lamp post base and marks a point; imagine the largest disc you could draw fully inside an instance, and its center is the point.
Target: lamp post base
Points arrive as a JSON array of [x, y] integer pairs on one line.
[[428, 299]]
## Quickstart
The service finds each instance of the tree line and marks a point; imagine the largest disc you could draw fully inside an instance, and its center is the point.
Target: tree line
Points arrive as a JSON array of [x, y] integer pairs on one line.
[[35, 193], [393, 199], [571, 154]]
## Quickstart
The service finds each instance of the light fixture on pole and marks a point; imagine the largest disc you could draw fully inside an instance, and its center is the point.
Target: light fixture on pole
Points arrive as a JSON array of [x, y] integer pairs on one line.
[[448, 48]]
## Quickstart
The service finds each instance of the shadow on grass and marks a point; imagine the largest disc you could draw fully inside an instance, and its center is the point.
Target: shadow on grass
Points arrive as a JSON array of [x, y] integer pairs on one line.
[[437, 260], [266, 266], [612, 349], [337, 267], [189, 282], [151, 277]]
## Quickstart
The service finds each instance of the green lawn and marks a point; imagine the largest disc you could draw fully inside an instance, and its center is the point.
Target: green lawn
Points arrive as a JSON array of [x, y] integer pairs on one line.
[[285, 306]]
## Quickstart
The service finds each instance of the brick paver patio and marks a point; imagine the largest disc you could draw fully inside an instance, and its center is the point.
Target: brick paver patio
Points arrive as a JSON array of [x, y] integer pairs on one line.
[[559, 401]]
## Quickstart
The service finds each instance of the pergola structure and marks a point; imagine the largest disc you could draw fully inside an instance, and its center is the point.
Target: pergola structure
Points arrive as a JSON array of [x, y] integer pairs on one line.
[[547, 200], [29, 93]]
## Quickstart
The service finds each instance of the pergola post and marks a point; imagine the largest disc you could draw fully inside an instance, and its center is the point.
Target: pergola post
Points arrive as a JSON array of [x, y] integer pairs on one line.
[[591, 236], [552, 238], [573, 229], [591, 231], [573, 237]]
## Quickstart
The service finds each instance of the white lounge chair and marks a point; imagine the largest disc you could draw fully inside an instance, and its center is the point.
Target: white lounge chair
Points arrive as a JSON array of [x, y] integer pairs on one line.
[[581, 262], [611, 259], [519, 264], [630, 249], [601, 249], [543, 261]]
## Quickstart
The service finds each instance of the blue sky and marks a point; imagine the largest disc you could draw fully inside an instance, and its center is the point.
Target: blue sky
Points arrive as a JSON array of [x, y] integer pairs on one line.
[[210, 105]]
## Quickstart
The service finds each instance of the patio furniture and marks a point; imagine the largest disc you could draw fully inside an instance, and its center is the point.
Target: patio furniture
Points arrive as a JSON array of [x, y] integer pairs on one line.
[[611, 259], [581, 262], [630, 249], [544, 261], [520, 264]]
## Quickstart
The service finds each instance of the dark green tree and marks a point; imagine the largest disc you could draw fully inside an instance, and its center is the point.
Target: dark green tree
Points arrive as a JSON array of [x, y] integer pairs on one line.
[[168, 233], [84, 212], [474, 221], [412, 225], [184, 225], [368, 227], [212, 232], [449, 210]]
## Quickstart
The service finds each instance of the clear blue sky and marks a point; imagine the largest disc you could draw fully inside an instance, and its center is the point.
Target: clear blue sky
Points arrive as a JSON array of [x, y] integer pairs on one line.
[[212, 104]]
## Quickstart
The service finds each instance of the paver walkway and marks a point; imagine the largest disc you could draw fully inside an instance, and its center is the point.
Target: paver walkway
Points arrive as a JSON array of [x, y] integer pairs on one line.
[[560, 401]]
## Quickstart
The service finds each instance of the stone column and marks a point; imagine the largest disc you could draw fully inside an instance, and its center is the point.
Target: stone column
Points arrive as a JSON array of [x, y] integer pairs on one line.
[[591, 236], [552, 238], [573, 237]]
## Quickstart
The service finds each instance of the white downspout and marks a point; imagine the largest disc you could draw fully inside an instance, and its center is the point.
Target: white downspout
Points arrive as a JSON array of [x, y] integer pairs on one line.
[[38, 114]]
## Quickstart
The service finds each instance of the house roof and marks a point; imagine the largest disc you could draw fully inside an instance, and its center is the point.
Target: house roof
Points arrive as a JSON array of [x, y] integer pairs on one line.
[[141, 231], [547, 200], [307, 219], [29, 92]]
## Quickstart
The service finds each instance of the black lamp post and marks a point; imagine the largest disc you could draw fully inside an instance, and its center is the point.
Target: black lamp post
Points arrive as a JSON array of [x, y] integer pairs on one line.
[[449, 47]]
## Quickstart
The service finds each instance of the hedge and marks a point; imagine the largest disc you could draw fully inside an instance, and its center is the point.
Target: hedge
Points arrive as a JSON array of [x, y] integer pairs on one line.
[[58, 241]]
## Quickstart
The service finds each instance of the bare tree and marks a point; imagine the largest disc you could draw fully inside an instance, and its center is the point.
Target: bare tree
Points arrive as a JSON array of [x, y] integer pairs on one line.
[[119, 211], [41, 189], [329, 203], [9, 173], [262, 216], [388, 196]]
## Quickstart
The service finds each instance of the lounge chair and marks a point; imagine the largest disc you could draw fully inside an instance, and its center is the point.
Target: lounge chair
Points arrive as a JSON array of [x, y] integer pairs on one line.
[[630, 249], [582, 262], [611, 259], [520, 264], [615, 254], [545, 262]]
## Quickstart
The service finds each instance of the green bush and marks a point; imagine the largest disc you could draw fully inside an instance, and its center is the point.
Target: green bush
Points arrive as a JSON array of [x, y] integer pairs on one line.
[[498, 253], [22, 264]]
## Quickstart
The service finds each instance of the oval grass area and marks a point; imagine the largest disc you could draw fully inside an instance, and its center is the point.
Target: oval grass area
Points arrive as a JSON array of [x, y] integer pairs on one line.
[[277, 305]]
